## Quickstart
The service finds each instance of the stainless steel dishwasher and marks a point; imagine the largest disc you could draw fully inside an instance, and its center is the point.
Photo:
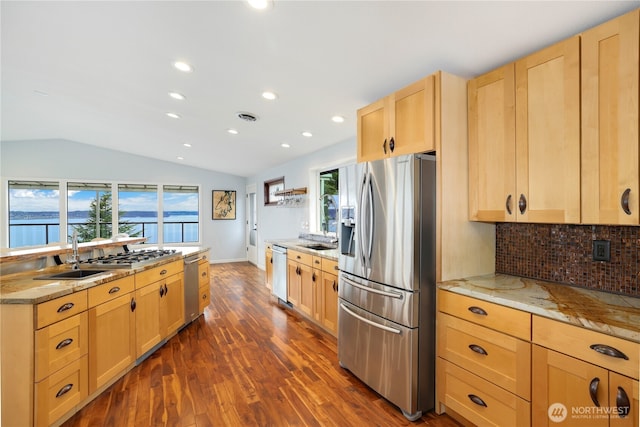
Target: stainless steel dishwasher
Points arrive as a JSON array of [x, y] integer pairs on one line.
[[280, 272], [191, 307]]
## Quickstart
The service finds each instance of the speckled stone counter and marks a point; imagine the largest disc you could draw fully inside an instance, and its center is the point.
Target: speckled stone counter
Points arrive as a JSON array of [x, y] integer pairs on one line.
[[23, 289], [613, 314], [299, 245]]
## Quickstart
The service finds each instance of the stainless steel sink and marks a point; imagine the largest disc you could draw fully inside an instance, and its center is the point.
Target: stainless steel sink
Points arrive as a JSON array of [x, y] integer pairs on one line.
[[318, 247], [70, 275]]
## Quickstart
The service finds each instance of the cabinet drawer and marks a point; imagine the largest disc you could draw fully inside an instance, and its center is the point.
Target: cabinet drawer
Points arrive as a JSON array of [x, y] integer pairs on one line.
[[300, 257], [60, 392], [59, 344], [203, 273], [111, 290], [60, 308], [204, 297], [478, 400], [578, 342], [330, 266], [494, 356], [493, 316], [147, 277]]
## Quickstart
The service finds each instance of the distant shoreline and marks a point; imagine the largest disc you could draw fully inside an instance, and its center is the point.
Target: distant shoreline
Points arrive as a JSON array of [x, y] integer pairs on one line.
[[24, 215]]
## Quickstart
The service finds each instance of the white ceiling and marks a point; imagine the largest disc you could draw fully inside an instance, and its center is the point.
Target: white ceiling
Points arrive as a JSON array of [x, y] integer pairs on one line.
[[107, 68]]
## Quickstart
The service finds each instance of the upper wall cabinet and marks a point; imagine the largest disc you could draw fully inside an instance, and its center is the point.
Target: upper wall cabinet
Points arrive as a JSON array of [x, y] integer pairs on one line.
[[401, 123], [610, 79], [492, 143], [524, 162]]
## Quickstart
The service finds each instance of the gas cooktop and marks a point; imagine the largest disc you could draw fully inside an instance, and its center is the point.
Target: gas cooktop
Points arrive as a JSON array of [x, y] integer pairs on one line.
[[131, 259]]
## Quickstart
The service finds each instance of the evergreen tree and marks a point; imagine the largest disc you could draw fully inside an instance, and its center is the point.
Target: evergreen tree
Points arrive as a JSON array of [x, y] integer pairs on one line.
[[100, 215]]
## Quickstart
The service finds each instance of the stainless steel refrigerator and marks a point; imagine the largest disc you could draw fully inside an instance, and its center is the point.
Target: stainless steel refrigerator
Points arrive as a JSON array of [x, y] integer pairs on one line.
[[386, 317]]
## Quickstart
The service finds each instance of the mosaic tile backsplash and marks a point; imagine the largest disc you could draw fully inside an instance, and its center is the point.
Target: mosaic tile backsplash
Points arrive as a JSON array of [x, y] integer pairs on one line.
[[563, 253]]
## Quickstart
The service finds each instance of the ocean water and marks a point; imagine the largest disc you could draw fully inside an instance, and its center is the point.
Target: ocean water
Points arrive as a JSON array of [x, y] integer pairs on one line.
[[32, 232]]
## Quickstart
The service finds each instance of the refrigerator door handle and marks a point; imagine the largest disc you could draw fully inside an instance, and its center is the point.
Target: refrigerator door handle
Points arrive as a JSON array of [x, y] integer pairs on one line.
[[374, 291], [360, 224], [370, 212], [369, 322]]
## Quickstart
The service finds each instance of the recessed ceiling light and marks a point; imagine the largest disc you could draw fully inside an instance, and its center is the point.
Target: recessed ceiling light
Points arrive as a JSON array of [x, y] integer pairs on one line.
[[173, 115], [180, 158], [183, 66], [337, 119], [232, 131], [285, 145], [178, 96], [260, 4], [307, 134], [186, 144], [269, 95]]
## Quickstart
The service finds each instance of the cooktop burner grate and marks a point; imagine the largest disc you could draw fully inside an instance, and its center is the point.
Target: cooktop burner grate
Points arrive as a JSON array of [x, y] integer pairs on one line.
[[132, 259]]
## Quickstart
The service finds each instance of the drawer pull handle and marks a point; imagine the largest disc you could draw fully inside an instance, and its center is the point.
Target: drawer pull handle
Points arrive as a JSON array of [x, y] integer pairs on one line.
[[508, 204], [133, 304], [114, 290], [478, 349], [522, 204], [204, 273], [477, 310], [161, 291], [623, 403], [475, 399], [624, 201], [313, 277], [593, 391], [204, 296], [64, 343], [608, 351], [163, 272], [166, 290], [65, 307], [64, 390]]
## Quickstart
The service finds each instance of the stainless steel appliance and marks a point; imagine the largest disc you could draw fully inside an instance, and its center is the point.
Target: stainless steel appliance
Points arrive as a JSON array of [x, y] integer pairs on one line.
[[386, 317], [128, 259], [191, 288], [280, 272]]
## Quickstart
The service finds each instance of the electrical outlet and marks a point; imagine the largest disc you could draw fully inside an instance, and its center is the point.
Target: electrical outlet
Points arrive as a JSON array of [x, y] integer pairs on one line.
[[601, 250]]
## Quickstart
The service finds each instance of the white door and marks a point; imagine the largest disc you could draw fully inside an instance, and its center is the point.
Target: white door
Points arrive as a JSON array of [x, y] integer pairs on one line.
[[252, 225]]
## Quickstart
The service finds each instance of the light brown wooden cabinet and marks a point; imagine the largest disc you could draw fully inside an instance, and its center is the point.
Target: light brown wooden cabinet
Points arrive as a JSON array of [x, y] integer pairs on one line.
[[329, 296], [541, 183], [204, 284], [111, 331], [589, 378], [483, 368], [400, 123], [268, 264], [300, 289], [610, 153]]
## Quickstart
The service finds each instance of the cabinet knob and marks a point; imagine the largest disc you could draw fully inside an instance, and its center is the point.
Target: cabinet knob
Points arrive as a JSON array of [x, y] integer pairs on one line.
[[624, 201], [522, 204]]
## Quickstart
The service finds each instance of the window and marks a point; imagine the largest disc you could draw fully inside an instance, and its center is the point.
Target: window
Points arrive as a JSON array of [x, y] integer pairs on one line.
[[180, 213], [138, 211], [34, 213], [270, 189], [89, 211], [329, 200]]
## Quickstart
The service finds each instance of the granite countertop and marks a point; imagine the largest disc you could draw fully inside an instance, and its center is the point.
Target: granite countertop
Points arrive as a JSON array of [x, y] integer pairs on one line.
[[612, 314], [299, 245], [21, 288]]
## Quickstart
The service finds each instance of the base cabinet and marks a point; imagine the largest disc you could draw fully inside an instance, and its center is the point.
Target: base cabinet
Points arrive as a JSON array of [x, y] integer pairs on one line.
[[268, 264]]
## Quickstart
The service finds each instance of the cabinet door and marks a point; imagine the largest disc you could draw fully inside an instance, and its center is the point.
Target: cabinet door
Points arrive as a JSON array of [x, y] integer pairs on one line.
[[624, 391], [172, 305], [610, 122], [268, 262], [112, 340], [373, 131], [329, 287], [316, 279], [563, 380], [293, 282], [492, 145], [548, 134], [307, 289], [412, 119], [148, 318]]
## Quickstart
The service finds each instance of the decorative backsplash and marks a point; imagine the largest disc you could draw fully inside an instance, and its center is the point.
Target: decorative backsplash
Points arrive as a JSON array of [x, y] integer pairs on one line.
[[563, 253]]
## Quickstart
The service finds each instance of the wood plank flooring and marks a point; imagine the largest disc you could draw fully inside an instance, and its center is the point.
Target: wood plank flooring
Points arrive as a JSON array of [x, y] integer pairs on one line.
[[246, 362]]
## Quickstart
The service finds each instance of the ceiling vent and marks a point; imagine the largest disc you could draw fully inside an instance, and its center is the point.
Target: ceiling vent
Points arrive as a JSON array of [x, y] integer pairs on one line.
[[247, 117]]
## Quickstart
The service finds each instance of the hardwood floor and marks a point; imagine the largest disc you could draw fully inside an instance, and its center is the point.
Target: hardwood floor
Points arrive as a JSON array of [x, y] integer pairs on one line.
[[246, 362]]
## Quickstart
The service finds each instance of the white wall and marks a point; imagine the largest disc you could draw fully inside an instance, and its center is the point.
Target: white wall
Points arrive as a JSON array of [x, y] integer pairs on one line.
[[283, 223], [62, 159]]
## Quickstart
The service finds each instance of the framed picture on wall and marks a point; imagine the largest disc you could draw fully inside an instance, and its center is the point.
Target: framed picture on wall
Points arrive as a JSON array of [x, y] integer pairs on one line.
[[224, 204]]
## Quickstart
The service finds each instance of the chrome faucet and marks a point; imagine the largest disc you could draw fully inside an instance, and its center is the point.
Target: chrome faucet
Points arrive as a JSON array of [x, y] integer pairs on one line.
[[74, 259]]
